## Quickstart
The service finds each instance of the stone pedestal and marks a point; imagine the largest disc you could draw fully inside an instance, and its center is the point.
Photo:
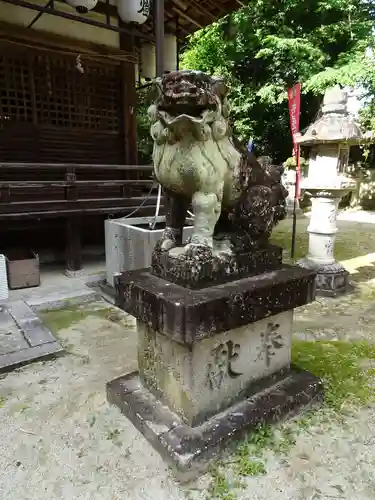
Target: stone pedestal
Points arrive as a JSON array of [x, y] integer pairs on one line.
[[198, 381], [184, 271], [214, 360], [332, 278]]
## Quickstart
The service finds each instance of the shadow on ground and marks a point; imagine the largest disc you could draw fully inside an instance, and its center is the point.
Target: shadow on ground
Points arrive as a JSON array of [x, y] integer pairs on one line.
[[363, 274]]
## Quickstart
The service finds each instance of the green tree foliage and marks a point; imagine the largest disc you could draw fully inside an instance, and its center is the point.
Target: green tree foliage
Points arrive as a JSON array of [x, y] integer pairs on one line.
[[145, 97], [266, 46]]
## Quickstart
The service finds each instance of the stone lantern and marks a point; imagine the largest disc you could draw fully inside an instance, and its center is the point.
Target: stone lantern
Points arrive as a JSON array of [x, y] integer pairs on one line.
[[329, 139]]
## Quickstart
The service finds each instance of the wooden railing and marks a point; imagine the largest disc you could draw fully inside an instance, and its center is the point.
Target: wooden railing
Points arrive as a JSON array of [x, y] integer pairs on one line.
[[72, 191], [66, 189]]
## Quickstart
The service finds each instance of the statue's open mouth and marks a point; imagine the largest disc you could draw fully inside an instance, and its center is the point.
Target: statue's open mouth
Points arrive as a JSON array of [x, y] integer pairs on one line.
[[186, 109], [189, 96]]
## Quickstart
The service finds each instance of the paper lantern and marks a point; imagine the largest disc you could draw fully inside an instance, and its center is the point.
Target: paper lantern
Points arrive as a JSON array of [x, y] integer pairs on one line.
[[82, 6], [134, 11]]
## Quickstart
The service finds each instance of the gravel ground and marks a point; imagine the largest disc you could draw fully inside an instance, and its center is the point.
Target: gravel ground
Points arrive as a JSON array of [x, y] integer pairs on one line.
[[328, 461], [59, 439]]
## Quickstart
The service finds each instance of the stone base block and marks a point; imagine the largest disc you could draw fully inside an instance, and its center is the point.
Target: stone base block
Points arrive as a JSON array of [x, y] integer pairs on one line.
[[331, 280], [188, 449], [201, 380], [184, 271]]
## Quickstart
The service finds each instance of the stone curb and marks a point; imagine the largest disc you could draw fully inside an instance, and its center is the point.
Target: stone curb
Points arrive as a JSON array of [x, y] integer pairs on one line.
[[42, 344], [59, 300]]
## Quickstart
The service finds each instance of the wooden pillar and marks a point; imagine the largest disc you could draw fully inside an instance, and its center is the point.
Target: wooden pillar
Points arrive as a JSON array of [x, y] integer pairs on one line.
[[159, 36], [73, 249], [129, 101], [73, 245]]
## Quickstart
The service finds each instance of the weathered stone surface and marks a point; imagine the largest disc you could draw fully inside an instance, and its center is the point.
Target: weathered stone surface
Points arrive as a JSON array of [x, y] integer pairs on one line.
[[216, 360], [23, 337], [13, 360], [11, 337], [188, 316], [186, 271], [188, 449], [198, 381]]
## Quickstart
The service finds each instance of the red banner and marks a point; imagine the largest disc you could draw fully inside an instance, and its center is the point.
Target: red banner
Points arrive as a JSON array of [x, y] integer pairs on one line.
[[294, 100]]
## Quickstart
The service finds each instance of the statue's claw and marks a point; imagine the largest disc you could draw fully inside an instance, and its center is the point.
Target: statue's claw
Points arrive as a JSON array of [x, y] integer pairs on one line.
[[167, 240], [196, 251], [167, 245], [222, 246]]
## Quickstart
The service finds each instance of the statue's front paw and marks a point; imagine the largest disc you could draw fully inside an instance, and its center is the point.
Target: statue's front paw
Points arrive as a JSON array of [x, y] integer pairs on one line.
[[167, 240], [223, 246], [198, 251], [167, 245]]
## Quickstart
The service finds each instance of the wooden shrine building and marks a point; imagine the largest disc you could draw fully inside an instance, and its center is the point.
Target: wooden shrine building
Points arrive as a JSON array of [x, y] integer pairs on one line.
[[68, 144]]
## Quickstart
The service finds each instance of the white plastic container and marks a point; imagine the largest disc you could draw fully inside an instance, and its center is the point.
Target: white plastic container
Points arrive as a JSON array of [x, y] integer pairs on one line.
[[129, 243], [4, 292]]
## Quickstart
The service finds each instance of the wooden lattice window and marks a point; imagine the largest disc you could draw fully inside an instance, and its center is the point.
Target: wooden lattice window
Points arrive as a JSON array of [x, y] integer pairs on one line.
[[68, 98], [16, 103], [48, 89]]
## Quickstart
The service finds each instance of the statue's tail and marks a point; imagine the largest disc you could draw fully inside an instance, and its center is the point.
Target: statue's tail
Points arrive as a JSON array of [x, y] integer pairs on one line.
[[263, 203], [261, 172]]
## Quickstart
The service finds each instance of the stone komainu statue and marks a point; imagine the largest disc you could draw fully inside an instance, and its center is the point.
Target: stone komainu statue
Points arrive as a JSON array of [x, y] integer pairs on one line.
[[236, 199]]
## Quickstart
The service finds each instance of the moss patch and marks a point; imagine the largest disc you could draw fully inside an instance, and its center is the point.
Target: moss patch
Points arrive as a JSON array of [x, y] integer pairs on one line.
[[341, 367], [221, 487], [346, 369], [283, 239], [248, 459], [59, 319], [350, 243]]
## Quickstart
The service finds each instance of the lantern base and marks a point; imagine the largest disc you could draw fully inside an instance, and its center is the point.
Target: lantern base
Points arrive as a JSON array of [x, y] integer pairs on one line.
[[332, 280]]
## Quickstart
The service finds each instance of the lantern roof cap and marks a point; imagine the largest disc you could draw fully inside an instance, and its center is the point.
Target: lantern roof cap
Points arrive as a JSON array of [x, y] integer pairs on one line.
[[334, 124]]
